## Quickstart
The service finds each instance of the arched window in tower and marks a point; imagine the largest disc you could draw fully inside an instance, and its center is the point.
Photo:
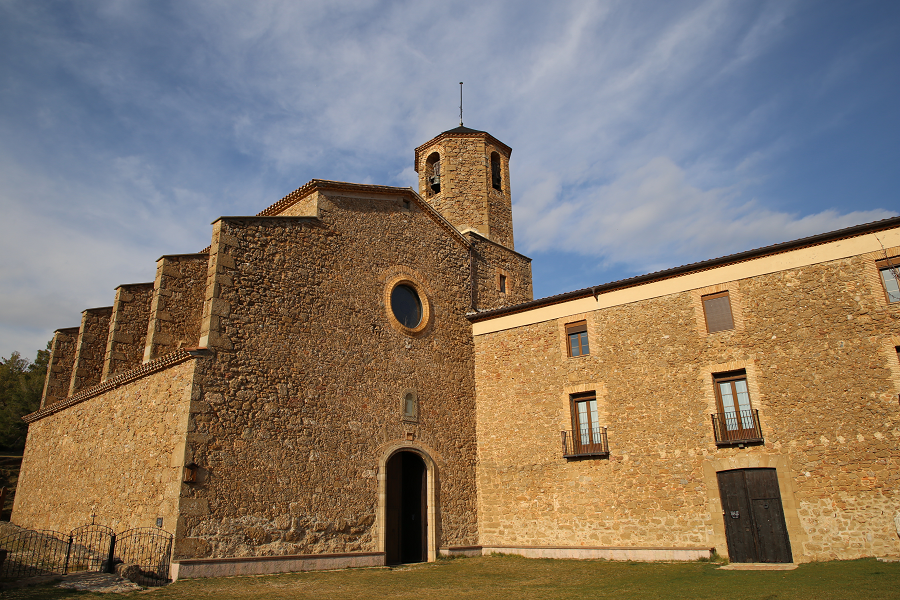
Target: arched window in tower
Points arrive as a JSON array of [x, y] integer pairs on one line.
[[496, 178], [433, 173]]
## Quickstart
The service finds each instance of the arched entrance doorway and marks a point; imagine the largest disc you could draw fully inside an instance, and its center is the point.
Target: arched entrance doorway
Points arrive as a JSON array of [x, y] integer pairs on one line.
[[406, 504]]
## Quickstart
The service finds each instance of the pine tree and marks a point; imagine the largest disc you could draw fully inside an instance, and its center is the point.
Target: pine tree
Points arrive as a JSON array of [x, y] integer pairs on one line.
[[21, 385]]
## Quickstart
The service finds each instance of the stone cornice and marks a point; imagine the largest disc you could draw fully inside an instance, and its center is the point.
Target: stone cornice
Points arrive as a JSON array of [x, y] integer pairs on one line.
[[315, 185], [451, 134], [132, 285], [97, 309], [154, 366], [192, 254], [68, 329], [481, 238]]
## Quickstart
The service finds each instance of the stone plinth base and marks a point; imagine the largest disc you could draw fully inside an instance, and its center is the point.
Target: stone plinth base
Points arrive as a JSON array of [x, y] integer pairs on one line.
[[264, 565], [461, 551], [607, 553]]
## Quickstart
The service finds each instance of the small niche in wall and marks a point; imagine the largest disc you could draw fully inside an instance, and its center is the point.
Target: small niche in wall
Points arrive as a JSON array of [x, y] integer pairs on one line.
[[191, 472], [409, 405]]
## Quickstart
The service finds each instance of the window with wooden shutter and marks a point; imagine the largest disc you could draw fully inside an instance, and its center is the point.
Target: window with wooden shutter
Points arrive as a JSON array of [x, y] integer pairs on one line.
[[587, 434], [577, 338], [717, 310], [736, 421], [889, 269]]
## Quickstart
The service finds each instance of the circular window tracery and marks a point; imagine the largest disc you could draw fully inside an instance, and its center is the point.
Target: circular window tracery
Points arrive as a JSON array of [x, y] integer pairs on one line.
[[406, 306]]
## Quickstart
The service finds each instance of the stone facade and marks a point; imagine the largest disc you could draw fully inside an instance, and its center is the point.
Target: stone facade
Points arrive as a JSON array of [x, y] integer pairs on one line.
[[292, 447], [817, 343], [298, 380], [258, 396], [117, 455]]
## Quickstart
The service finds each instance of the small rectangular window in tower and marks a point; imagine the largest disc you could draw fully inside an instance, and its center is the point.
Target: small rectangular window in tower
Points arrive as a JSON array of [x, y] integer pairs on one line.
[[717, 309], [502, 284], [578, 338], [889, 268]]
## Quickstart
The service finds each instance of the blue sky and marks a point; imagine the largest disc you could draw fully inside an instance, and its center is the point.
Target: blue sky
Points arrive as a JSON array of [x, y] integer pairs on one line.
[[645, 134]]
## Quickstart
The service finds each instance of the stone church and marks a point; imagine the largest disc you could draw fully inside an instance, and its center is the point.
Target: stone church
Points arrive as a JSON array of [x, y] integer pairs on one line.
[[359, 375]]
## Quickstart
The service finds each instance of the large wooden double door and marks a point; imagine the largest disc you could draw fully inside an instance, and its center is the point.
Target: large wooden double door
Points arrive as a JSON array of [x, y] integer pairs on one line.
[[754, 518]]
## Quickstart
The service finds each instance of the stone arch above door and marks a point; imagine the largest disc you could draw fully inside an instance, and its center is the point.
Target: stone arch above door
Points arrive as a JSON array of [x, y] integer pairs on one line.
[[386, 452]]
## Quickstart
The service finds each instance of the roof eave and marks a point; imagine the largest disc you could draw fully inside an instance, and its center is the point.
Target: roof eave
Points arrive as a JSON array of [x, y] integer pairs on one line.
[[712, 263]]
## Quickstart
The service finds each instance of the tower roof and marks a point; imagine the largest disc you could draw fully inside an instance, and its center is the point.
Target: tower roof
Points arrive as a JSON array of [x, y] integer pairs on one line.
[[462, 129], [467, 132]]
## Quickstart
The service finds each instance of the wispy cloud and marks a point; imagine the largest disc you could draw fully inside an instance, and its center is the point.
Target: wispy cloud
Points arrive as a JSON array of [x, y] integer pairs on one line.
[[697, 127], [652, 218]]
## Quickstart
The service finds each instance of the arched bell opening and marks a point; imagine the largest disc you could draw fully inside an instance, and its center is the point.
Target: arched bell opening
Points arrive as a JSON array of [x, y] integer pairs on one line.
[[433, 174], [496, 172]]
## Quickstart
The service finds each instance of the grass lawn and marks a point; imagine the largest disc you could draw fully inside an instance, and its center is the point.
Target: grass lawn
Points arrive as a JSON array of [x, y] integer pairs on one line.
[[521, 578]]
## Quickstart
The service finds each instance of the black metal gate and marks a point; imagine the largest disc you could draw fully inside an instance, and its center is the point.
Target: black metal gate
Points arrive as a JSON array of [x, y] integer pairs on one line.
[[144, 553], [90, 548]]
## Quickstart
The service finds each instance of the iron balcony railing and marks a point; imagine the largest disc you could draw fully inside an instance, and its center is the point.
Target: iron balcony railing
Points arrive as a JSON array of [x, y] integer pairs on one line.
[[734, 428], [585, 442]]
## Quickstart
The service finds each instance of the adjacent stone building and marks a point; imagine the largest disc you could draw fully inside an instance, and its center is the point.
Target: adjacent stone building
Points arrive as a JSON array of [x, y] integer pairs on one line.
[[747, 403], [358, 375]]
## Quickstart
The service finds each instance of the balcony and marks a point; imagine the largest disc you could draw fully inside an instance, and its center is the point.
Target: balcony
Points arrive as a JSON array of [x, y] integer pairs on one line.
[[737, 428], [584, 443]]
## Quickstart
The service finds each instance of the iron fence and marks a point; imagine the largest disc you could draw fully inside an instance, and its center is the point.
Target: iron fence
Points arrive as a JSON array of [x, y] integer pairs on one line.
[[143, 553], [146, 551], [32, 553]]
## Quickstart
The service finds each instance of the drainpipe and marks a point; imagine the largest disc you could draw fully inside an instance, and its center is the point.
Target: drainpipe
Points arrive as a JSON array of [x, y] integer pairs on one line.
[[472, 281]]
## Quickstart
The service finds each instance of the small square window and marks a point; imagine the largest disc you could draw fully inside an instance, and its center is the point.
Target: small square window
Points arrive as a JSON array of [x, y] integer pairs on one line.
[[502, 284], [888, 269], [577, 338], [717, 310]]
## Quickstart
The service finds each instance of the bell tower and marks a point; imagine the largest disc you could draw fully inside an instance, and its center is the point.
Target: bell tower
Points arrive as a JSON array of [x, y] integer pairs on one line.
[[464, 175]]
